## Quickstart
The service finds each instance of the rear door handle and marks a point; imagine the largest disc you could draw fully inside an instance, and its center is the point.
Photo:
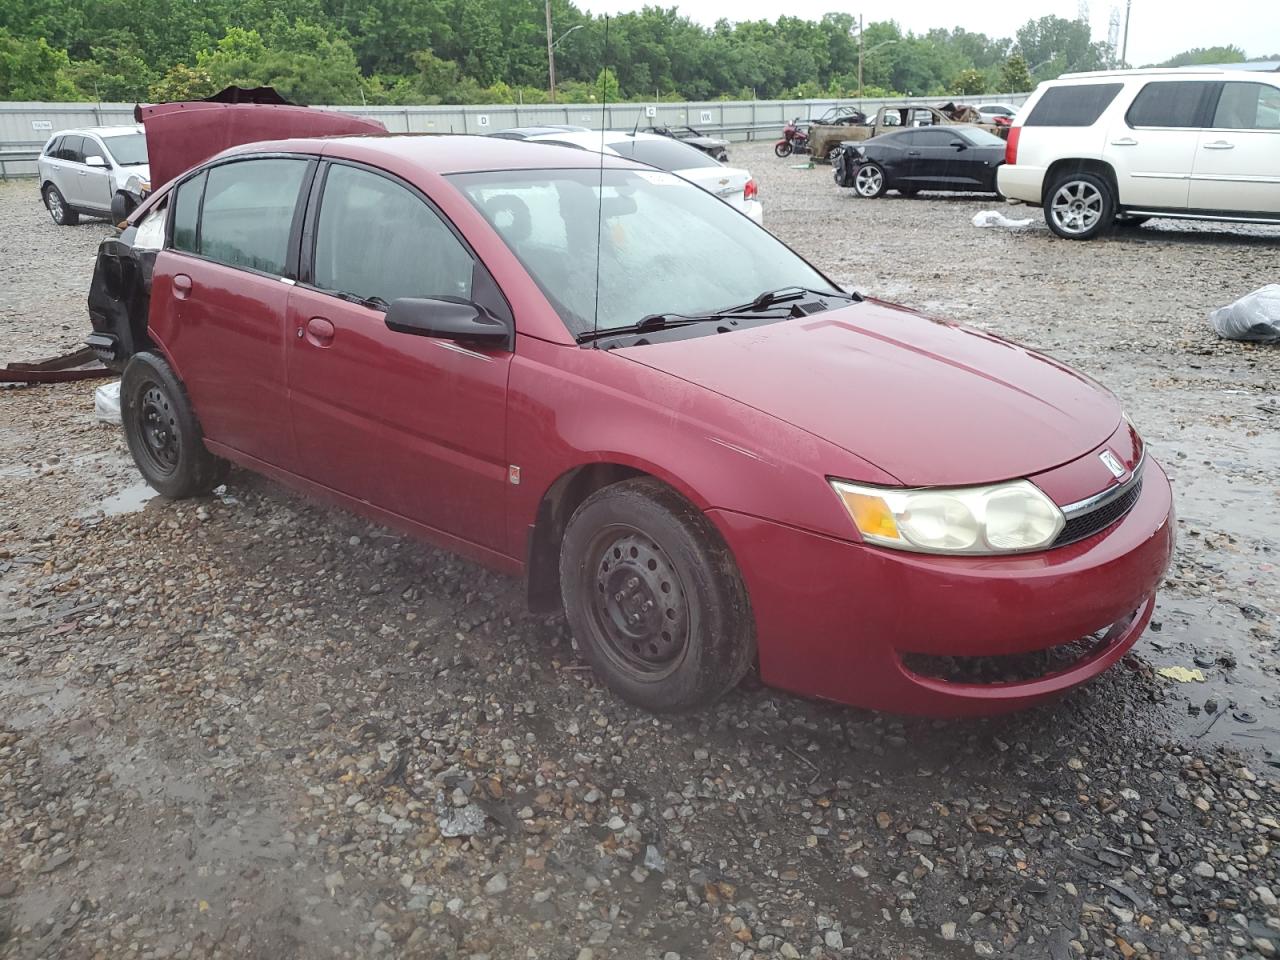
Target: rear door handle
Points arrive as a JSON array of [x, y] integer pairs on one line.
[[1219, 145], [913, 153], [319, 332], [1124, 142], [181, 286]]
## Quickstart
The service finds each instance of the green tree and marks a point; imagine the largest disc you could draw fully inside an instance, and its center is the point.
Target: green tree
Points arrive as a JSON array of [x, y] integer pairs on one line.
[[114, 73], [181, 82], [969, 83], [1202, 55], [1054, 45], [1015, 77], [32, 70]]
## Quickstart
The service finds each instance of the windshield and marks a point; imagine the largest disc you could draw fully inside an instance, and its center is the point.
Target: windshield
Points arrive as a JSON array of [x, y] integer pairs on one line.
[[667, 246], [981, 138], [128, 148]]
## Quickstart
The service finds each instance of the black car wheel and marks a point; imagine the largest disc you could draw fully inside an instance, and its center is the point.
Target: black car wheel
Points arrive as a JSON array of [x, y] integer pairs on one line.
[[722, 156], [122, 204], [163, 433], [782, 149], [62, 214], [869, 181], [1079, 206], [654, 597]]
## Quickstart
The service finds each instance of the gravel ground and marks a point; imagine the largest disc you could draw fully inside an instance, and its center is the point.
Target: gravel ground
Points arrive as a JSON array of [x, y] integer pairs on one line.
[[254, 727]]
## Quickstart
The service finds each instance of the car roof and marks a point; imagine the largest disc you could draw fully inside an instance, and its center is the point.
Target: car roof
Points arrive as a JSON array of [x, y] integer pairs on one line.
[[536, 130], [443, 153], [102, 131], [591, 139], [1197, 73]]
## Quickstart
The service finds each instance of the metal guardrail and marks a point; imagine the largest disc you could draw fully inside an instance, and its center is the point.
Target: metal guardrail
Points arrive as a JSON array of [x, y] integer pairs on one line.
[[8, 157]]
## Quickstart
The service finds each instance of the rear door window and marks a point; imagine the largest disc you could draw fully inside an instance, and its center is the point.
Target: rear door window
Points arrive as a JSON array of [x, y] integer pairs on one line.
[[417, 255], [1172, 103], [1248, 106], [666, 154], [1076, 105], [247, 215]]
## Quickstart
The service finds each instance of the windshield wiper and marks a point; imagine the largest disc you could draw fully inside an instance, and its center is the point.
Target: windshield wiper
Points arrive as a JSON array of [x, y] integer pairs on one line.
[[669, 321], [783, 294]]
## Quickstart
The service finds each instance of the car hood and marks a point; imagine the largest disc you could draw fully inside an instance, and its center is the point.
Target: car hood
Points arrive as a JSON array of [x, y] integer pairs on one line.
[[932, 403]]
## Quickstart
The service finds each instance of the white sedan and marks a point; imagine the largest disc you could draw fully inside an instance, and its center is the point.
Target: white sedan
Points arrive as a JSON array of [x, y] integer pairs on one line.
[[733, 185]]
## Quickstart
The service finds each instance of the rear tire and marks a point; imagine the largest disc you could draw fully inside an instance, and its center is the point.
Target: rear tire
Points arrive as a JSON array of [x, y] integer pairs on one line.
[[163, 433], [62, 214], [1080, 206], [654, 598]]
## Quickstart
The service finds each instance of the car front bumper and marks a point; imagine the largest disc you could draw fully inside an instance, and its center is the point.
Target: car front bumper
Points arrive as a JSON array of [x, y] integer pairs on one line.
[[841, 620]]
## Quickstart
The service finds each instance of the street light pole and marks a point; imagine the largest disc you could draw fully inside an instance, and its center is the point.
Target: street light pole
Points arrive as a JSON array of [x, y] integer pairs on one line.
[[551, 56], [1124, 47], [859, 57]]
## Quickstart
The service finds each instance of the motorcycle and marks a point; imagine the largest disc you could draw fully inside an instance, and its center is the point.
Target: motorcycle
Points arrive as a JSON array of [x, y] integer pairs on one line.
[[794, 140]]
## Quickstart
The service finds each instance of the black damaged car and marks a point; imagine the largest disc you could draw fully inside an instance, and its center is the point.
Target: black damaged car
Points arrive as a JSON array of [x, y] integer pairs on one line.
[[953, 157]]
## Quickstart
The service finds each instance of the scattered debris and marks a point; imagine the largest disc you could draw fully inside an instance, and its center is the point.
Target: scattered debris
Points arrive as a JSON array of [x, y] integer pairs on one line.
[[1181, 674], [106, 402], [994, 218], [1255, 317]]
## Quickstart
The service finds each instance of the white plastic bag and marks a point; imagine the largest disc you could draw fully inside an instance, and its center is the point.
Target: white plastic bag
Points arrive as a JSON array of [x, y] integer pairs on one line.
[[106, 402], [994, 218], [1255, 316]]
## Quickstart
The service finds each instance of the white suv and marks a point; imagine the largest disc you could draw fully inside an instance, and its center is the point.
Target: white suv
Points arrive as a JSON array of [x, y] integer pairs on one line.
[[96, 171], [1096, 149]]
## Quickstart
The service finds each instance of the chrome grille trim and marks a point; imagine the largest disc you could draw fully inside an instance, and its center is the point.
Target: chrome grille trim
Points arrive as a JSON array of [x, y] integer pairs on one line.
[[1082, 507]]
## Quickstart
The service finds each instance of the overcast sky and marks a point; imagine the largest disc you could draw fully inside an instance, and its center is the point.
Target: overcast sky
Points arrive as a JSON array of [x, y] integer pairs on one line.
[[1158, 29]]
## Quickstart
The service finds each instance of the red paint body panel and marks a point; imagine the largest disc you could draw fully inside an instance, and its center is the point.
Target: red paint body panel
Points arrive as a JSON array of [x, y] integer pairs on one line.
[[181, 135], [833, 618], [419, 433]]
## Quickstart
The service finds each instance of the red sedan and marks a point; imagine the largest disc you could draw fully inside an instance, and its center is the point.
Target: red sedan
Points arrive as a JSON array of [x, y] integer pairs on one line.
[[602, 377]]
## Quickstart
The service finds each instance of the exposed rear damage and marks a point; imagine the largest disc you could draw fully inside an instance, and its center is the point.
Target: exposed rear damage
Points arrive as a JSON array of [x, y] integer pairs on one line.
[[180, 136]]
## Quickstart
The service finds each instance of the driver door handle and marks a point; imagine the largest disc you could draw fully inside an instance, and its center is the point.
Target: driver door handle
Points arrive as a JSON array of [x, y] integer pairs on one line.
[[1219, 145], [319, 332], [181, 286], [1124, 142]]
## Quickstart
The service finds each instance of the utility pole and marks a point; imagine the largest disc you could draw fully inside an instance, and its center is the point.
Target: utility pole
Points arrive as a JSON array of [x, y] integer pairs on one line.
[[551, 56], [859, 57], [1124, 49]]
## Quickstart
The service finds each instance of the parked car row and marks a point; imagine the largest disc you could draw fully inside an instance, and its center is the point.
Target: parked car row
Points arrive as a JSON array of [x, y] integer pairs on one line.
[[578, 367], [1101, 150]]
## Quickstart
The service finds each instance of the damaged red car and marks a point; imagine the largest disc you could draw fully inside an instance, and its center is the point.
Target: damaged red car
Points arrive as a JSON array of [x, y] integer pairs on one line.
[[595, 374]]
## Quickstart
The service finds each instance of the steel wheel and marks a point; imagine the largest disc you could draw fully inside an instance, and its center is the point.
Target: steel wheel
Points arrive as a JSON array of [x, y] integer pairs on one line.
[[160, 430], [640, 606], [869, 181], [1077, 207]]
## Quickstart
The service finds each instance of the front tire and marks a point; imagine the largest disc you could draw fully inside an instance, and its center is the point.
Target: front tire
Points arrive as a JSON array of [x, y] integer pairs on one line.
[[1080, 206], [122, 204], [62, 214], [163, 433], [654, 598], [782, 149], [869, 181]]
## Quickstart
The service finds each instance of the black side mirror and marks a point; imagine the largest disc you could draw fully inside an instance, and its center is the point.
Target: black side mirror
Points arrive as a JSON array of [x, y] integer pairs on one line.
[[447, 319], [959, 144]]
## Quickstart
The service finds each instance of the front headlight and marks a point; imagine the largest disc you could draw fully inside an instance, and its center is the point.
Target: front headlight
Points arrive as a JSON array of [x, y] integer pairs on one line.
[[1008, 517]]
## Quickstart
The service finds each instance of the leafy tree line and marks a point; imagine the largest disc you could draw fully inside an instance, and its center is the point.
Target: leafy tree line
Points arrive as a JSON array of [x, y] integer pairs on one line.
[[494, 51]]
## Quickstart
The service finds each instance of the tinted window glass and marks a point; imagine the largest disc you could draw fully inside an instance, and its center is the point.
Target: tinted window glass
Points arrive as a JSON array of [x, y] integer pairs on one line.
[[981, 138], [668, 154], [417, 255], [248, 213], [1170, 103], [1248, 106], [934, 138], [1078, 105], [186, 214], [51, 149], [92, 149], [71, 149]]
